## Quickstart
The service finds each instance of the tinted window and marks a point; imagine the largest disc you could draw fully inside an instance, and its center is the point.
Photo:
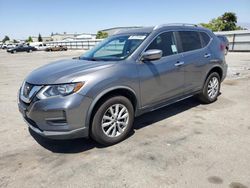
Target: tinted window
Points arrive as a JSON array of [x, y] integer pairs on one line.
[[164, 42], [205, 38], [190, 40]]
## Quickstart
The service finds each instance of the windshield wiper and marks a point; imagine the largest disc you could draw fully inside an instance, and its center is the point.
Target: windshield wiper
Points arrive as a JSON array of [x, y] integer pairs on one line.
[[88, 58]]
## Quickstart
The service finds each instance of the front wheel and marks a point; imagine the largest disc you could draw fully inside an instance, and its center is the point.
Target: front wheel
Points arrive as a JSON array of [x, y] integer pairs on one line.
[[211, 89], [113, 120]]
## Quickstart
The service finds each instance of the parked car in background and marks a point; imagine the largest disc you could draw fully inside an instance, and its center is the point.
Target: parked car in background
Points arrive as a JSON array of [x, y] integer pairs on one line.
[[41, 47], [8, 46], [225, 42], [56, 48], [4, 46], [130, 73], [21, 48]]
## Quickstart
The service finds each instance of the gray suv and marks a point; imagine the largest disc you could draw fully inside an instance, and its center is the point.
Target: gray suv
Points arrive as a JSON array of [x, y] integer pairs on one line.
[[130, 73]]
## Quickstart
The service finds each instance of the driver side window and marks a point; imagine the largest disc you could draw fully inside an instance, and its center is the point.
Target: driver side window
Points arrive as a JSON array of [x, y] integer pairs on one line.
[[164, 42]]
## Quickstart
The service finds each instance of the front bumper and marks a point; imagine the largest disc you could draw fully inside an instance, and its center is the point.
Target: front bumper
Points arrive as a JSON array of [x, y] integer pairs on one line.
[[57, 117]]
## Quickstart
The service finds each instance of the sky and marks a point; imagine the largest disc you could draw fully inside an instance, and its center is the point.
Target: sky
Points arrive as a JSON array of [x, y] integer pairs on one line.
[[22, 18]]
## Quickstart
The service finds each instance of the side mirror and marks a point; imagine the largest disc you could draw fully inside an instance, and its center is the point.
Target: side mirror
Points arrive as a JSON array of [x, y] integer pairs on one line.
[[151, 55]]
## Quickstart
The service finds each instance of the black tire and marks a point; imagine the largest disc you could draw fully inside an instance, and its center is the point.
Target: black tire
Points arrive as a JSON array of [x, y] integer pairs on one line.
[[204, 96], [226, 51], [97, 132]]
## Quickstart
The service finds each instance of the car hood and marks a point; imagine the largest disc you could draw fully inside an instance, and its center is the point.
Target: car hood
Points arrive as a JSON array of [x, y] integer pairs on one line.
[[65, 71]]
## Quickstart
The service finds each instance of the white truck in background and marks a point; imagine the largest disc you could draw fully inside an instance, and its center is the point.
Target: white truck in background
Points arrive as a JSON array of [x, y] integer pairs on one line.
[[38, 45]]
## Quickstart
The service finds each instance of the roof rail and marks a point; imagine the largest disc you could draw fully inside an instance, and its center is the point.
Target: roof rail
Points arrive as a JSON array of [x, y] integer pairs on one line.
[[175, 24]]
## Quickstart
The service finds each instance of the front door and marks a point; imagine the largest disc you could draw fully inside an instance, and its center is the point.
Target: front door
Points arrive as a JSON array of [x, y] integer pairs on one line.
[[164, 78]]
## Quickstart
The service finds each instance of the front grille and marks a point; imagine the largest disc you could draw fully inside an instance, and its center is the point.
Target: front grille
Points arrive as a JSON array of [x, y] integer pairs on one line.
[[28, 91]]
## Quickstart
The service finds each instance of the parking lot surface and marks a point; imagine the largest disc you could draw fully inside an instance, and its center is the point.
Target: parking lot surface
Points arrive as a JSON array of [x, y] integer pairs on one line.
[[186, 144]]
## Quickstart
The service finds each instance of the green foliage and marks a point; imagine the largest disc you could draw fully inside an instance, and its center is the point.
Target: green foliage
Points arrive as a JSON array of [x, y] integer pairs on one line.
[[6, 38], [40, 39], [101, 35], [15, 41], [29, 39], [226, 22]]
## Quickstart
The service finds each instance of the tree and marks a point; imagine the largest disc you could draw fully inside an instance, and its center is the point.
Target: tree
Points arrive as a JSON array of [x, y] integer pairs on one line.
[[40, 39], [101, 35], [29, 39], [229, 19], [6, 38], [15, 41], [226, 22]]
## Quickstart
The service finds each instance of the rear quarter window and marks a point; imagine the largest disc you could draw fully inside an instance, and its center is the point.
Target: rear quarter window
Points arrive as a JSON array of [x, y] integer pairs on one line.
[[190, 40], [205, 38]]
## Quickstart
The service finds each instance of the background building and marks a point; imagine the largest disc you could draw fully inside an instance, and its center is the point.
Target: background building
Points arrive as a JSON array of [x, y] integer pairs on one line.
[[71, 37], [66, 37]]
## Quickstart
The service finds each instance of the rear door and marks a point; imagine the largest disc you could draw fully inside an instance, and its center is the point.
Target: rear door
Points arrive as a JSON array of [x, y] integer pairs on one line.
[[164, 78], [196, 55]]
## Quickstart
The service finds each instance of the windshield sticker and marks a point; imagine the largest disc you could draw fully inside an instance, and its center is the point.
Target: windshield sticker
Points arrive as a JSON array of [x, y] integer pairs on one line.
[[137, 37]]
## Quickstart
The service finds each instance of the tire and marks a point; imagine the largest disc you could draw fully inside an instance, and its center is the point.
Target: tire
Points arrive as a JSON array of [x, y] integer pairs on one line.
[[209, 97], [30, 51], [226, 51], [14, 51], [105, 134]]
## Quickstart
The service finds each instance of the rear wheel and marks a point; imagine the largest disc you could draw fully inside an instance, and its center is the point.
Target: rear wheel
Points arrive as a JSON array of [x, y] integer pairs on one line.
[[113, 120], [211, 89]]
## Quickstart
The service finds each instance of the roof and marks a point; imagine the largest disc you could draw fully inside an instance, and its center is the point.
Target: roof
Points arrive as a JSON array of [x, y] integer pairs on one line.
[[158, 27], [138, 30], [120, 28]]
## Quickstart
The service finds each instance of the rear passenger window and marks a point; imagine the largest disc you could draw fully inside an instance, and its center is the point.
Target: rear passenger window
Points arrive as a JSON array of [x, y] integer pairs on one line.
[[190, 40], [164, 42], [205, 38]]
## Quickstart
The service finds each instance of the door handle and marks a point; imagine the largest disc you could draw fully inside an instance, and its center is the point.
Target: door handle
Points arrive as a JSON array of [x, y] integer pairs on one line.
[[207, 55], [179, 63]]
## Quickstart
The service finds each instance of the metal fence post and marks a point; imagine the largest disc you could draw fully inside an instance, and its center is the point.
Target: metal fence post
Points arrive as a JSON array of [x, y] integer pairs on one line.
[[233, 42]]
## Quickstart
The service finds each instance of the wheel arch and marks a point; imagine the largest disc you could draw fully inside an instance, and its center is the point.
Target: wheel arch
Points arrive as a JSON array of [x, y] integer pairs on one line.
[[114, 91], [217, 69]]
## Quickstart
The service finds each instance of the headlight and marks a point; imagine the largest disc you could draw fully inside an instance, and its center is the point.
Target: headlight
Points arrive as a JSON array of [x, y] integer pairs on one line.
[[59, 90]]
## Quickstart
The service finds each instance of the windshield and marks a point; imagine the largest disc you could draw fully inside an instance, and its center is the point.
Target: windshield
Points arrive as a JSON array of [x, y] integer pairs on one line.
[[114, 48]]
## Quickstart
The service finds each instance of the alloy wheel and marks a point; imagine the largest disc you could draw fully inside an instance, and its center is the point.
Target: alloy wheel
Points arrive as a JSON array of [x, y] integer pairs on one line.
[[115, 120], [213, 87]]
